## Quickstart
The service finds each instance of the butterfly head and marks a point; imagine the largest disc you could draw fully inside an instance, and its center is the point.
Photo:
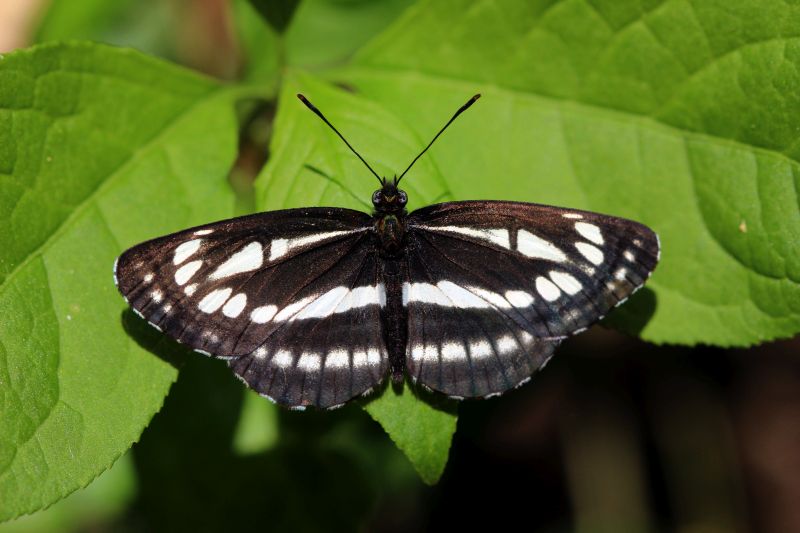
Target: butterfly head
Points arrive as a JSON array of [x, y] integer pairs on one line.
[[389, 199]]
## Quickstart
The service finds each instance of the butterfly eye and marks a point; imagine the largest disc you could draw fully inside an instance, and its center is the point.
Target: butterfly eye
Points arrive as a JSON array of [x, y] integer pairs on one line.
[[403, 198], [376, 197]]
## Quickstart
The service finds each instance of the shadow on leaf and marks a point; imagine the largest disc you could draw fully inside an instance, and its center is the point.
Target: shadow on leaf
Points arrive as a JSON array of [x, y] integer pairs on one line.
[[632, 317], [317, 477], [155, 342]]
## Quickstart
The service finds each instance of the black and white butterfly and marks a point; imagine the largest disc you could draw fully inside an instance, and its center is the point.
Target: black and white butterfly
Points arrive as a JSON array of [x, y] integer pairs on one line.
[[316, 306]]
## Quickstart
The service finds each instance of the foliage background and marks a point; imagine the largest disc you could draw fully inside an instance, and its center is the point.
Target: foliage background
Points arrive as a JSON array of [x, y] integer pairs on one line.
[[679, 114]]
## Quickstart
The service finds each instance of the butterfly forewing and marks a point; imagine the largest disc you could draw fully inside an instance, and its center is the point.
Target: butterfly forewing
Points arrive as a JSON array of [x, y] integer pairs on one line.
[[556, 270], [494, 286], [264, 291]]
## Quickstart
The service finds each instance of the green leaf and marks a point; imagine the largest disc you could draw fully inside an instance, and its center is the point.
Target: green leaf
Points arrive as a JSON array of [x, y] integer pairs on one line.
[[147, 25], [277, 13], [260, 44], [327, 32], [98, 151], [682, 115], [301, 143], [419, 427], [320, 33], [104, 501], [257, 429]]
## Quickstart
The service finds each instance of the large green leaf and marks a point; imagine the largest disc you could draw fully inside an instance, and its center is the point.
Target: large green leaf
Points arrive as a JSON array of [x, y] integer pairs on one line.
[[146, 25], [311, 166], [315, 34], [98, 150], [680, 114]]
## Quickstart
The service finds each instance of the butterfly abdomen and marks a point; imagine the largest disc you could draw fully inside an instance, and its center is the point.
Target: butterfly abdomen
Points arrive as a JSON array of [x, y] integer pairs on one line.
[[395, 322]]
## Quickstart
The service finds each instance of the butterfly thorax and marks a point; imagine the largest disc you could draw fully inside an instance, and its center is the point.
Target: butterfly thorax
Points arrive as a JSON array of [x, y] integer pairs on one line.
[[390, 217]]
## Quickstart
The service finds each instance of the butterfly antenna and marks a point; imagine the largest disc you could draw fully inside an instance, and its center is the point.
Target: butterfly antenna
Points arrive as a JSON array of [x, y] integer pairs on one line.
[[460, 110], [313, 108]]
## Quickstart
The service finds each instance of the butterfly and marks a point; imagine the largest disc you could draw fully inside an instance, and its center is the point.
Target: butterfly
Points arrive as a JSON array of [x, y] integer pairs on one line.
[[317, 306]]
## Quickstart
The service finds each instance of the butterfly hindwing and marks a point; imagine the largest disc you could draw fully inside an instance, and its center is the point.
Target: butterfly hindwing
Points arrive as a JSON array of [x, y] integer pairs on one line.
[[508, 281], [329, 347], [246, 288], [457, 343]]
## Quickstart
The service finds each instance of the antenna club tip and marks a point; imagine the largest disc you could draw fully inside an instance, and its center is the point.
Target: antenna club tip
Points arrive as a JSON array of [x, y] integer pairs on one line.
[[476, 97], [302, 98]]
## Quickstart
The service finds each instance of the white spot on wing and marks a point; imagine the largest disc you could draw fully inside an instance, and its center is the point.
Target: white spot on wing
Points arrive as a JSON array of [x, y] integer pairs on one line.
[[506, 344], [427, 293], [281, 247], [186, 250], [461, 297], [480, 350], [189, 290], [417, 352], [283, 359], [214, 300], [362, 297], [340, 300], [148, 277], [430, 353], [248, 258], [491, 297], [620, 273], [425, 352], [157, 296], [260, 353], [235, 305], [324, 305], [366, 357], [658, 248], [262, 315], [589, 231], [185, 273], [373, 356], [566, 282], [337, 358], [531, 245], [527, 338], [547, 289], [448, 294], [572, 215], [453, 351], [519, 298], [592, 253], [359, 358], [278, 248], [629, 256], [310, 362], [500, 237], [290, 310], [203, 232]]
